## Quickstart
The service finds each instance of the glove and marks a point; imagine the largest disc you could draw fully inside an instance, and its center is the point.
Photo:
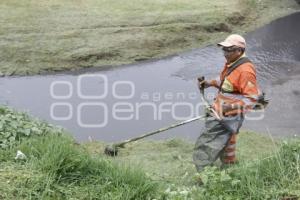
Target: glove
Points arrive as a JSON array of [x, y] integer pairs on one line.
[[202, 84]]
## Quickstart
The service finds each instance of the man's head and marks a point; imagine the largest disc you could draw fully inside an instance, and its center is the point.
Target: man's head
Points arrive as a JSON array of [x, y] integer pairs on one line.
[[233, 47]]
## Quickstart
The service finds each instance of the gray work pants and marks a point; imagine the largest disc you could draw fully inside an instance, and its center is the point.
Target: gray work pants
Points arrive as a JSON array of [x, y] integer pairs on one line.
[[214, 138]]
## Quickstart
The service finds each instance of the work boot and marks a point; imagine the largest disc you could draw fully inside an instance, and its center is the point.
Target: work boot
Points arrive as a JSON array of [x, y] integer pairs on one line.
[[228, 165]]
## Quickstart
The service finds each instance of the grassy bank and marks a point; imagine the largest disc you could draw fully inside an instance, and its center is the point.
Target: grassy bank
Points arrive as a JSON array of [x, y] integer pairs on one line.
[[267, 169], [48, 36], [57, 168]]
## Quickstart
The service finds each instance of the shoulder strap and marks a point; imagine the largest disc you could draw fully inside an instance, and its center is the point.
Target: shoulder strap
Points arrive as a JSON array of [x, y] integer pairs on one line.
[[235, 66]]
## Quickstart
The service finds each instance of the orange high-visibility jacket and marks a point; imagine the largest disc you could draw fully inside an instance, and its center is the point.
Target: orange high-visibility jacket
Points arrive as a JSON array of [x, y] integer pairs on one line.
[[239, 87]]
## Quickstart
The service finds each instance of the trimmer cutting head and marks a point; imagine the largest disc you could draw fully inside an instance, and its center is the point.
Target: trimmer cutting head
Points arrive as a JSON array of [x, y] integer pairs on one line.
[[111, 150]]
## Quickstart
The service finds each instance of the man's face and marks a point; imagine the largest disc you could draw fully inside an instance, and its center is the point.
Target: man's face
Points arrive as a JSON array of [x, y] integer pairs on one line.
[[231, 53]]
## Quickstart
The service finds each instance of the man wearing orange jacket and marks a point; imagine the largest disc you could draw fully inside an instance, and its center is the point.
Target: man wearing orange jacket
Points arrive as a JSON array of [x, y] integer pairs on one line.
[[238, 92]]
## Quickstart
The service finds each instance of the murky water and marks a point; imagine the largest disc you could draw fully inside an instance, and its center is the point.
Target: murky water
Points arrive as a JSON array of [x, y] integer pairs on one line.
[[120, 103]]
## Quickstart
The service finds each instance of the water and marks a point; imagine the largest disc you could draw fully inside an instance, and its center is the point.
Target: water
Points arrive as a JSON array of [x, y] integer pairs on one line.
[[155, 94]]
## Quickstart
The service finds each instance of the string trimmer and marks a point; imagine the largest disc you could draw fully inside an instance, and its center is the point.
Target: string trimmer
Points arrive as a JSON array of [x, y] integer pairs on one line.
[[112, 150]]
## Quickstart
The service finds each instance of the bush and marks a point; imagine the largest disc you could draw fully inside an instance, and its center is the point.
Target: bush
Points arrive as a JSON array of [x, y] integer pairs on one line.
[[15, 126]]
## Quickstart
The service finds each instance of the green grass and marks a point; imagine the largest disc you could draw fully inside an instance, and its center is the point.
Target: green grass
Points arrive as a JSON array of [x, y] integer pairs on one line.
[[58, 168], [274, 177], [268, 168], [50, 36]]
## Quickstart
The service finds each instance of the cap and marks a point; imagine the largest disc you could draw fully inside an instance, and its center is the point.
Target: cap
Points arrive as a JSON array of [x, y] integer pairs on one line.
[[233, 40]]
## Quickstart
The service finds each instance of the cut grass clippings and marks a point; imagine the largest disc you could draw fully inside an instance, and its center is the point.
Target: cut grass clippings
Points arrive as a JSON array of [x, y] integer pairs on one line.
[[63, 35]]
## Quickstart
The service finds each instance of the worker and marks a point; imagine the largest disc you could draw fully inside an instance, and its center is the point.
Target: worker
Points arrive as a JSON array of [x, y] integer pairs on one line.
[[237, 93]]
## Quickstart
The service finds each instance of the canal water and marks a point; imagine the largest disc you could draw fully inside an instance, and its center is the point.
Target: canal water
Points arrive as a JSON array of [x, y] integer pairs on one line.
[[123, 102]]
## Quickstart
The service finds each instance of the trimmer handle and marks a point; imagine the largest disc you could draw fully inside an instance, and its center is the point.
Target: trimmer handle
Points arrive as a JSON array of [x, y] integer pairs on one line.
[[201, 80]]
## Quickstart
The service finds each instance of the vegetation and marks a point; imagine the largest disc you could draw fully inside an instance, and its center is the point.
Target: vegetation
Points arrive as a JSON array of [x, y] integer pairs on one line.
[[14, 127], [267, 169], [55, 167], [273, 177], [49, 36]]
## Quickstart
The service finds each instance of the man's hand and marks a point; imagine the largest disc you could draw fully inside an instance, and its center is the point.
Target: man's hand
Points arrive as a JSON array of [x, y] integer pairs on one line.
[[202, 84]]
